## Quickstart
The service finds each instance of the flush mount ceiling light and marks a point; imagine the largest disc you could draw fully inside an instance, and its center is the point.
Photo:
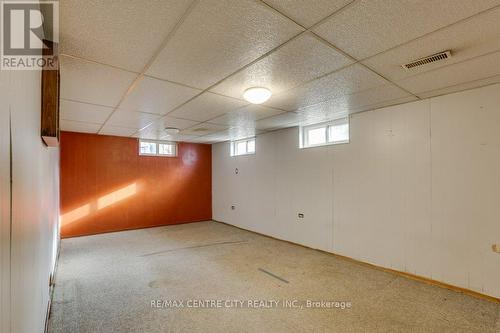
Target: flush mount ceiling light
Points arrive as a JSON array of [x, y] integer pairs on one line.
[[257, 95], [171, 130]]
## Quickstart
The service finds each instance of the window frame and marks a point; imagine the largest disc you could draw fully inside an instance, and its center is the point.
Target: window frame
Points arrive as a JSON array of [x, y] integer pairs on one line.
[[168, 143], [303, 133], [233, 145], [157, 143]]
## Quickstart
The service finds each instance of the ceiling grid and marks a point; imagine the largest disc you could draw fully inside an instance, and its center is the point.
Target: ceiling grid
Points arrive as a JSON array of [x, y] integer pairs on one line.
[[307, 90]]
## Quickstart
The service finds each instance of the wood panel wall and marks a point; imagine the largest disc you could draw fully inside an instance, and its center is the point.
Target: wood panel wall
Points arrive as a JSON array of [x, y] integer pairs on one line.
[[106, 186]]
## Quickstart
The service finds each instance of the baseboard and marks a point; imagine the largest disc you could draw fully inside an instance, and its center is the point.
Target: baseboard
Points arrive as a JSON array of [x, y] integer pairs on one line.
[[47, 314], [134, 228], [389, 270], [52, 284]]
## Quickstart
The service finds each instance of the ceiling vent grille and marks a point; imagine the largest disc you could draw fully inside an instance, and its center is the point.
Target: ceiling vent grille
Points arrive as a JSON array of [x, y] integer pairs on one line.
[[427, 60]]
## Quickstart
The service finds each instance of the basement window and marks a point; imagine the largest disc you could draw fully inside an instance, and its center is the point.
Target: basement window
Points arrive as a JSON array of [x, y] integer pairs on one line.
[[243, 147], [157, 148], [330, 133], [167, 149]]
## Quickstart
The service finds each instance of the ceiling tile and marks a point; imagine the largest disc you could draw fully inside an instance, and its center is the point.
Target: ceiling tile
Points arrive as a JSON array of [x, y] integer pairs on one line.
[[349, 103], [157, 96], [123, 33], [219, 37], [207, 106], [200, 139], [150, 133], [368, 26], [93, 83], [77, 126], [287, 119], [203, 129], [240, 132], [84, 112], [178, 137], [341, 107], [245, 116], [332, 109], [347, 81], [471, 38], [375, 96], [475, 69], [300, 60], [117, 131], [232, 134], [384, 104], [307, 12], [215, 137], [131, 119], [175, 122], [462, 86], [157, 129]]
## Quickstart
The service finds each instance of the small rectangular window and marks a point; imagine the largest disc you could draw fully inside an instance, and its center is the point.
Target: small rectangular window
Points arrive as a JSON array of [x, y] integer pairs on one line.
[[251, 146], [316, 136], [147, 148], [243, 147], [338, 133], [330, 133], [168, 149], [157, 148]]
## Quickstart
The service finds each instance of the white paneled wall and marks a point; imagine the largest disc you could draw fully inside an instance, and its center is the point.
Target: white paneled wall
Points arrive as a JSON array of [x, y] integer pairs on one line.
[[29, 209], [416, 190], [4, 203]]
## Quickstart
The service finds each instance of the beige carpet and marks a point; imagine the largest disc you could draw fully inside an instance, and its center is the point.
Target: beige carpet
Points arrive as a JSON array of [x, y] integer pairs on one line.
[[248, 283]]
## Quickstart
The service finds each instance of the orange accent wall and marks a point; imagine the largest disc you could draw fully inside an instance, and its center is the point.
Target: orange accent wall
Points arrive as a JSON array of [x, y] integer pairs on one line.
[[106, 186]]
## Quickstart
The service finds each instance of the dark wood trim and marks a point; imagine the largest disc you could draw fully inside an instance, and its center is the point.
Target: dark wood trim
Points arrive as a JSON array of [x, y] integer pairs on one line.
[[50, 97]]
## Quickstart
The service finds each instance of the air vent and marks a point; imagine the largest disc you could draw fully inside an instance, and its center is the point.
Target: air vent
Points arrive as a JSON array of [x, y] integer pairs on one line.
[[427, 60]]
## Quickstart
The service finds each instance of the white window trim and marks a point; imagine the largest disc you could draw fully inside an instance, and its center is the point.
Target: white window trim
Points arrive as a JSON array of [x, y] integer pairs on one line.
[[303, 137], [233, 144], [158, 142]]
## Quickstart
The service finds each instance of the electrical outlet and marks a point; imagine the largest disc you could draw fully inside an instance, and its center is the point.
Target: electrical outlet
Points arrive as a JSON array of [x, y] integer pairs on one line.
[[233, 207], [301, 216]]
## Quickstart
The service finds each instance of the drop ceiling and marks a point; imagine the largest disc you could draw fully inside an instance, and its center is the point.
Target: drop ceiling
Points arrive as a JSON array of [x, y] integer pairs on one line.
[[132, 68]]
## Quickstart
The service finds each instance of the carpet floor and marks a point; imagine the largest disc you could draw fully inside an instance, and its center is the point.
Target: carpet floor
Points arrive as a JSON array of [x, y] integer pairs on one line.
[[211, 277]]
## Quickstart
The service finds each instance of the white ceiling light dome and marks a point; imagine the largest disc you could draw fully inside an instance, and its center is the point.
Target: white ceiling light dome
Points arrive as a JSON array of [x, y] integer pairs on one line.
[[172, 130], [257, 95]]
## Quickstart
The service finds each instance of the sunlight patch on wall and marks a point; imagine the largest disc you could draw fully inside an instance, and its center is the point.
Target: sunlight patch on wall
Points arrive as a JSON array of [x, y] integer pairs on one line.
[[116, 196], [103, 202], [75, 214]]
